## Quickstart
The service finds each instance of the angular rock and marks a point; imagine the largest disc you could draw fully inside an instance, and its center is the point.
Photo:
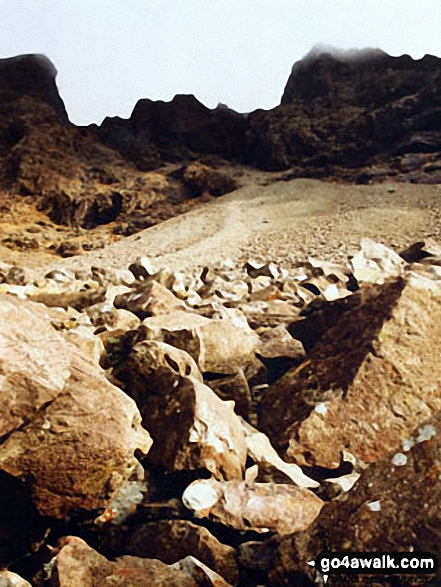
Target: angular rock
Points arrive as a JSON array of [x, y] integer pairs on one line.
[[245, 505], [204, 576], [218, 345], [393, 508], [261, 452], [393, 391], [369, 381], [279, 351], [375, 263], [67, 432], [149, 299], [191, 427], [332, 365], [170, 541], [9, 579], [78, 564]]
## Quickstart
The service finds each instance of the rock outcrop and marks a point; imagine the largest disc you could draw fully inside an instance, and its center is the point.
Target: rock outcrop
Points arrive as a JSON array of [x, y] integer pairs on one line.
[[361, 116]]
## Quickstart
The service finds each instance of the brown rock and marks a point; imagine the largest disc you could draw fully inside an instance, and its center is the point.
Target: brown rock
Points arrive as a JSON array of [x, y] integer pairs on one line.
[[394, 389], [149, 298], [9, 579], [67, 432], [170, 541], [331, 368], [393, 507], [262, 507], [77, 564], [218, 346], [191, 427]]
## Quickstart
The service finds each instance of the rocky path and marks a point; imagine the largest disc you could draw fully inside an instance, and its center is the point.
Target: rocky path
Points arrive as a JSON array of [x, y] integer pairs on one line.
[[284, 221]]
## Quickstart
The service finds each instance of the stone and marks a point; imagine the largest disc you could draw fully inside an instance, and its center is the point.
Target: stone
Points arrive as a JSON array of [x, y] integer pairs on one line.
[[114, 320], [261, 452], [218, 345], [9, 579], [201, 430], [233, 388], [204, 576], [79, 297], [375, 263], [246, 505], [279, 351], [393, 391], [170, 541], [333, 361], [149, 298], [78, 564], [390, 508], [369, 381], [68, 434]]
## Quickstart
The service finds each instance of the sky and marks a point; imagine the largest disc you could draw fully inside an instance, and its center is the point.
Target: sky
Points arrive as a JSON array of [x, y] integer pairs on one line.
[[110, 53]]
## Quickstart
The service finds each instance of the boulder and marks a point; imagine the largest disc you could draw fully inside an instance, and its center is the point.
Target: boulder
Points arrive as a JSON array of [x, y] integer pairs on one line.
[[246, 505], [368, 382], [191, 427], [218, 345], [67, 432], [149, 298], [332, 364], [9, 579], [375, 263], [78, 564], [201, 430], [394, 507], [394, 390], [170, 541]]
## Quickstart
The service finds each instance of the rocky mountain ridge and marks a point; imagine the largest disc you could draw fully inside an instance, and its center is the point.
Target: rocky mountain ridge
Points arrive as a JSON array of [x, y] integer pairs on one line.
[[362, 118]]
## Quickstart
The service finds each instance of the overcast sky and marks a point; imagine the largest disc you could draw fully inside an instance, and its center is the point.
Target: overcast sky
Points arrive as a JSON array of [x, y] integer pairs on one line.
[[110, 53]]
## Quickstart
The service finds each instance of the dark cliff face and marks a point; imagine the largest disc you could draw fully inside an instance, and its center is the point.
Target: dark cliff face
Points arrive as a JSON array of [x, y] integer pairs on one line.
[[360, 117], [32, 76], [350, 112], [173, 131]]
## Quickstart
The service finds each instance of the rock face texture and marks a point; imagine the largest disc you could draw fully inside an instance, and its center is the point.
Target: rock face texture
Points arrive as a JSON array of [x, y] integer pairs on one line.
[[66, 431], [389, 491], [174, 131], [362, 115], [342, 113], [78, 564]]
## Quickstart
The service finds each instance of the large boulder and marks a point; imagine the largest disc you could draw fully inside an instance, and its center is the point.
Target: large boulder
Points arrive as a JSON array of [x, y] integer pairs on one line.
[[218, 345], [170, 541], [68, 434], [78, 564], [191, 427], [394, 507], [368, 383]]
